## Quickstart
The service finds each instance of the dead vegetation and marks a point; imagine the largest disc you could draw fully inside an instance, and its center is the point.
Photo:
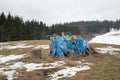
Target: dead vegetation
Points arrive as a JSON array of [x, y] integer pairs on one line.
[[105, 67], [2, 77]]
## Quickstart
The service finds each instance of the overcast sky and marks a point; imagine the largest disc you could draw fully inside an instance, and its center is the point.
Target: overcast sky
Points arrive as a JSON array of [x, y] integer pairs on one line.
[[60, 11]]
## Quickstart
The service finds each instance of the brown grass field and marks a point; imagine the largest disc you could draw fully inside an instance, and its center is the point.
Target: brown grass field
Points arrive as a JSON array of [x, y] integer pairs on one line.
[[105, 66]]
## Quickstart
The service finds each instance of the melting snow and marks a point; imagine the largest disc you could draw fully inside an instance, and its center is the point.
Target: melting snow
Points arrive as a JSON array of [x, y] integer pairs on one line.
[[109, 49], [42, 46], [17, 65], [68, 72], [3, 43], [20, 45], [10, 69], [15, 47], [9, 74], [112, 37], [4, 59], [34, 66]]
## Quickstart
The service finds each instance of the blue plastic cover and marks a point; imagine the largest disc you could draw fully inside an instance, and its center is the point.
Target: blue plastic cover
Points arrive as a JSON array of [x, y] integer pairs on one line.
[[61, 47], [82, 45]]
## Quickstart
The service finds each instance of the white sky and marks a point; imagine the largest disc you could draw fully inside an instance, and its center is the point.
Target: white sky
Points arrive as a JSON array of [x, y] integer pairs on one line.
[[60, 11]]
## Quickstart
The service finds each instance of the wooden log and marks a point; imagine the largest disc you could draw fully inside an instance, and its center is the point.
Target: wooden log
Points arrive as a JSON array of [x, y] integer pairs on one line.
[[36, 54]]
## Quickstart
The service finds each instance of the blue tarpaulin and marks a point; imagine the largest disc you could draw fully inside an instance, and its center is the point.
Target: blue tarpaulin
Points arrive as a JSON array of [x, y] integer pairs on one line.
[[60, 47]]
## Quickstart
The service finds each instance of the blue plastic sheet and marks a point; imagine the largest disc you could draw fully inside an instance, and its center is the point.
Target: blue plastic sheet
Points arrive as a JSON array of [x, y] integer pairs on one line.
[[82, 45], [60, 47]]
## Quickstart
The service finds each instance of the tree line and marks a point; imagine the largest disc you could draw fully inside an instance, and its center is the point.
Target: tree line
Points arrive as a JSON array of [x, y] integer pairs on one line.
[[13, 28]]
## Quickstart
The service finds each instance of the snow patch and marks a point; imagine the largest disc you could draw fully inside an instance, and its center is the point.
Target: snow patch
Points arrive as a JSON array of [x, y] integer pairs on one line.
[[68, 72], [4, 59], [42, 46], [10, 70], [112, 37], [17, 65], [71, 71], [15, 47], [3, 43], [35, 66], [10, 74], [109, 49], [20, 45]]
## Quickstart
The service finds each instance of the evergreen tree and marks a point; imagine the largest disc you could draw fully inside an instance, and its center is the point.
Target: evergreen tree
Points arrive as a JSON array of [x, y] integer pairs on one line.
[[2, 27]]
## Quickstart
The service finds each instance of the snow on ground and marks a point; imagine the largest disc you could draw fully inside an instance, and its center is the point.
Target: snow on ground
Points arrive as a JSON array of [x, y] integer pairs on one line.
[[3, 43], [70, 71], [109, 49], [42, 46], [10, 70], [4, 59], [15, 47], [21, 45], [9, 74], [35, 66], [112, 37]]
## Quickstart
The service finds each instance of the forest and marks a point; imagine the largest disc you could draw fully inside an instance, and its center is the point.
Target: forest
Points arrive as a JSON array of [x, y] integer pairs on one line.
[[14, 28]]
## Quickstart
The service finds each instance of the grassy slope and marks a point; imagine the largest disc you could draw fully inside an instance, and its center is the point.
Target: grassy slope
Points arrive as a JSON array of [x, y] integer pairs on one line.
[[105, 67]]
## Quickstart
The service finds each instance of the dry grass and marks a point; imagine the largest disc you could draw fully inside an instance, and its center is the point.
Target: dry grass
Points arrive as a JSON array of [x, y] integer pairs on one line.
[[22, 50], [34, 75], [105, 67], [104, 45], [44, 57], [35, 42], [16, 51], [2, 77]]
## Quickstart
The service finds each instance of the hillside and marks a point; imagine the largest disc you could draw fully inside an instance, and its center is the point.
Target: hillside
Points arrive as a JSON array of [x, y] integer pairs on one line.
[[17, 64], [112, 37]]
